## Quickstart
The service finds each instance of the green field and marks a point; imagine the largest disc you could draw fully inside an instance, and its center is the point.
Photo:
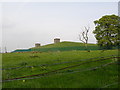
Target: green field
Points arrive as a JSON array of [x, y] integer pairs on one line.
[[60, 69], [63, 79]]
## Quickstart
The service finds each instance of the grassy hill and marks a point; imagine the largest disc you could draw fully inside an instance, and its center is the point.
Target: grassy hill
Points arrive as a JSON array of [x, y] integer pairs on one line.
[[73, 68], [65, 46], [68, 69], [62, 46]]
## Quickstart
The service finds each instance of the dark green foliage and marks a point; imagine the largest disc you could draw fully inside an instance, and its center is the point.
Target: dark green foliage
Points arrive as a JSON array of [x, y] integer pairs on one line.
[[107, 31]]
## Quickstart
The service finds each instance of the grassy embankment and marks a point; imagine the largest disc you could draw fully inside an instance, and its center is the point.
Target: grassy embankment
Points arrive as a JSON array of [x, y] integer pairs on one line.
[[81, 76], [65, 46]]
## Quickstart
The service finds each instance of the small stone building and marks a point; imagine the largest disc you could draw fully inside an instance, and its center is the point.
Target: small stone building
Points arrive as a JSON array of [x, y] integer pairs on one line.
[[37, 44], [56, 40]]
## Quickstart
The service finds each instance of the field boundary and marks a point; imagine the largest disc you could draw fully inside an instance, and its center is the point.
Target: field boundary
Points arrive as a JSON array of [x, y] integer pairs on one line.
[[54, 71], [88, 69], [57, 63]]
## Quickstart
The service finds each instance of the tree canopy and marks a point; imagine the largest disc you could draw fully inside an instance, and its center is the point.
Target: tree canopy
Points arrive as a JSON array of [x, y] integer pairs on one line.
[[107, 31]]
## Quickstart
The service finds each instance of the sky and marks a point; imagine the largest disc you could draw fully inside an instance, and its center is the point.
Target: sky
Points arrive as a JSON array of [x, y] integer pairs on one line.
[[26, 23], [59, 0]]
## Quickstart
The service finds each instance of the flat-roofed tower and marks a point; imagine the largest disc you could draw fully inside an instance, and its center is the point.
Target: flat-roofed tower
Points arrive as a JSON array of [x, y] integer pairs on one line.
[[37, 44], [56, 40]]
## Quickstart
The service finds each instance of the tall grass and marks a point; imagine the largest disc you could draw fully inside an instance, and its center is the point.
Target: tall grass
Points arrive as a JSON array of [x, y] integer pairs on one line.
[[86, 79]]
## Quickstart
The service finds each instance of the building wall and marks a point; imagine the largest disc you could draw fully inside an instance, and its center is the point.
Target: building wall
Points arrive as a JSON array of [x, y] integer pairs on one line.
[[56, 40], [37, 45]]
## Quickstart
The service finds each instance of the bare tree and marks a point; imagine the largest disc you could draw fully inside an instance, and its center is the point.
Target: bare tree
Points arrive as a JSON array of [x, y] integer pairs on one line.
[[84, 36]]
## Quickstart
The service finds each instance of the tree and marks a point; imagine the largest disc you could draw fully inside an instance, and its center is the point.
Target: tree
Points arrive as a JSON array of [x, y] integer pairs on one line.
[[107, 31], [84, 36]]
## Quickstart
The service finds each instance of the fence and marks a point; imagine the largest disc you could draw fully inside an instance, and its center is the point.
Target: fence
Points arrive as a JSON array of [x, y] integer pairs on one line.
[[55, 71], [12, 68]]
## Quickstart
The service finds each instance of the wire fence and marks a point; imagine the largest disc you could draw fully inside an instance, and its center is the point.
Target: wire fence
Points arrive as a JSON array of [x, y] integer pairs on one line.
[[56, 71], [58, 63], [88, 69], [106, 86], [110, 84]]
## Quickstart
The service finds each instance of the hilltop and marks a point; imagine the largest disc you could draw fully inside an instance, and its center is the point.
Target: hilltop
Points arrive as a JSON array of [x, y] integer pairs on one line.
[[63, 44]]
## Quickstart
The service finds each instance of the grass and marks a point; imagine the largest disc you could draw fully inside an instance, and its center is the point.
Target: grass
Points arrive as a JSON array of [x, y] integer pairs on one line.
[[64, 44], [0, 70], [89, 79], [64, 78], [50, 57]]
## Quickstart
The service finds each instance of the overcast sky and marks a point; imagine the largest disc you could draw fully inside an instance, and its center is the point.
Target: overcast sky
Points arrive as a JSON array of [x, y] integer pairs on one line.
[[59, 0], [25, 23]]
